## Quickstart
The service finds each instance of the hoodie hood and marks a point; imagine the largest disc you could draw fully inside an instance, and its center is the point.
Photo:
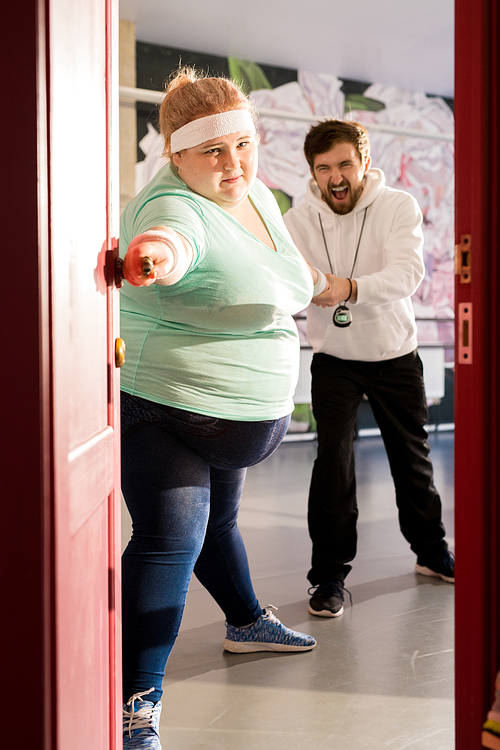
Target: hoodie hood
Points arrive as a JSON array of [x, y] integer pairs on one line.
[[375, 184]]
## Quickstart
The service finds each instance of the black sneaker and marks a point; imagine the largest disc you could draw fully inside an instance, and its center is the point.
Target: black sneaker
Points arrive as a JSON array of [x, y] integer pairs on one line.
[[442, 567], [327, 599]]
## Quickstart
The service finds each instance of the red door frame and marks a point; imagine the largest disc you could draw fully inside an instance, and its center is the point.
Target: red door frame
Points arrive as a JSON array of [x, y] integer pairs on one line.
[[25, 471], [25, 466], [477, 373]]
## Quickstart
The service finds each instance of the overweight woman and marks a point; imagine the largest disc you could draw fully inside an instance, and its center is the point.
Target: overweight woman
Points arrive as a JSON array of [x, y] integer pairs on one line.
[[212, 364]]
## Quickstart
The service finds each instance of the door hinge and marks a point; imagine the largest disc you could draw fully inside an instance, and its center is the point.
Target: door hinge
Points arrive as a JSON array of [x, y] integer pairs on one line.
[[463, 259], [465, 333]]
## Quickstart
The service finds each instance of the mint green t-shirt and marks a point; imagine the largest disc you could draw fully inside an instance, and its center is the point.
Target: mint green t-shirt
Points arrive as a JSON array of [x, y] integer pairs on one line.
[[222, 340]]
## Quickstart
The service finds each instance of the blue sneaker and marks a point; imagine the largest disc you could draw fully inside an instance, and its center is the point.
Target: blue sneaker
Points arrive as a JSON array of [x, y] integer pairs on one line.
[[442, 566], [141, 723], [266, 634]]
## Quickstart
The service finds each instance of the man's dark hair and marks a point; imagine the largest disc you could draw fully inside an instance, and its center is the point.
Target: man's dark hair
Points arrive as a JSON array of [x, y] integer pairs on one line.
[[324, 136]]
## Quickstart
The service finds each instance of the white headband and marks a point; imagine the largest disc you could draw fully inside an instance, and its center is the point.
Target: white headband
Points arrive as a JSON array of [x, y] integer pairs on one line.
[[207, 128]]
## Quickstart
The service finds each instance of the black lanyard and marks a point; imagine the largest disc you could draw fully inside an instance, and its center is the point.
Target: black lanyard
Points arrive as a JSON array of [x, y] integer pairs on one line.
[[342, 315], [357, 247]]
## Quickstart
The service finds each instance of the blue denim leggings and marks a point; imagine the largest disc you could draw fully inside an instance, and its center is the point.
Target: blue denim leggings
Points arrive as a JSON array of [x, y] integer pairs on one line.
[[182, 478]]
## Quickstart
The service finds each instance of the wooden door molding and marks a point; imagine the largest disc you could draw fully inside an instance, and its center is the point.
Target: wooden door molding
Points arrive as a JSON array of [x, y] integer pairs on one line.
[[113, 322]]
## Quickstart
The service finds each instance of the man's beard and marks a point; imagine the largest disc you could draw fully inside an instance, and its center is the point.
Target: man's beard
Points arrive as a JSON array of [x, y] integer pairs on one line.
[[347, 205]]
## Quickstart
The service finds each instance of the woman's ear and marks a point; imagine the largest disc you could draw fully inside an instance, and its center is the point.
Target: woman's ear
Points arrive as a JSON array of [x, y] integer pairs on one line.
[[175, 160]]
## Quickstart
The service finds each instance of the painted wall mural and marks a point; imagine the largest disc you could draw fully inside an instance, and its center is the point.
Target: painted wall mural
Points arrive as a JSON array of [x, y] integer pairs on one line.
[[424, 167]]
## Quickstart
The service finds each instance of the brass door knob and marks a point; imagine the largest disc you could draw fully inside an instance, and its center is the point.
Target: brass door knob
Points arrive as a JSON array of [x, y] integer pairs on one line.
[[120, 348]]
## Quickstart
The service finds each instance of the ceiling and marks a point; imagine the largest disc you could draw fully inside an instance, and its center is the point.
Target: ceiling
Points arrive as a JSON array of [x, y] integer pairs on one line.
[[405, 43]]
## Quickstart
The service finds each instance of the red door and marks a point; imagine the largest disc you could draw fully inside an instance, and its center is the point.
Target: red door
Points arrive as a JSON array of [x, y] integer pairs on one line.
[[81, 46], [477, 369], [59, 490]]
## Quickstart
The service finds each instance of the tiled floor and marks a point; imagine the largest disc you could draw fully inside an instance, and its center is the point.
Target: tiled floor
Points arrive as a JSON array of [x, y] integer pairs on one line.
[[381, 676]]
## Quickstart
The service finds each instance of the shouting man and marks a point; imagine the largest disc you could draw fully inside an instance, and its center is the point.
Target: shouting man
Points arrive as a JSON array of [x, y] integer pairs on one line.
[[367, 238]]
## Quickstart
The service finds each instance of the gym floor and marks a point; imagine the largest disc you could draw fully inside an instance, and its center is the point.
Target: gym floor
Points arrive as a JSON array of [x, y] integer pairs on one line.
[[381, 675]]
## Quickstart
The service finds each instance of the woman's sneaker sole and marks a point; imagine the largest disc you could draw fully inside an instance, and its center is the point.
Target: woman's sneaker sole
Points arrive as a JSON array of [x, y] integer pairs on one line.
[[251, 647], [266, 634]]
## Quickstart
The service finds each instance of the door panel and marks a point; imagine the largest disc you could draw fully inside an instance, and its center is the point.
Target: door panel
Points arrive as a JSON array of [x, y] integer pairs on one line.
[[91, 474], [85, 382]]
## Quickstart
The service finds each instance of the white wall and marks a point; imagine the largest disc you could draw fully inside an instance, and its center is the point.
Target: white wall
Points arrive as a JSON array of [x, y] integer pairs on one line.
[[405, 43]]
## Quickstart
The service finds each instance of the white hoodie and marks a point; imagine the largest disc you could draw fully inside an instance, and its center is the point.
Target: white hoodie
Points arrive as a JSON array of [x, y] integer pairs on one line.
[[388, 270]]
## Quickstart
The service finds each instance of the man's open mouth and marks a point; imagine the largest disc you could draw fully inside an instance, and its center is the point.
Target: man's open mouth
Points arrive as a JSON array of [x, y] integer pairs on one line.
[[339, 193]]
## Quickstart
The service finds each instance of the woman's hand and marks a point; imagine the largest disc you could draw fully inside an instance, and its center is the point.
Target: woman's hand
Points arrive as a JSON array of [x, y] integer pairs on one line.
[[159, 255], [133, 265]]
